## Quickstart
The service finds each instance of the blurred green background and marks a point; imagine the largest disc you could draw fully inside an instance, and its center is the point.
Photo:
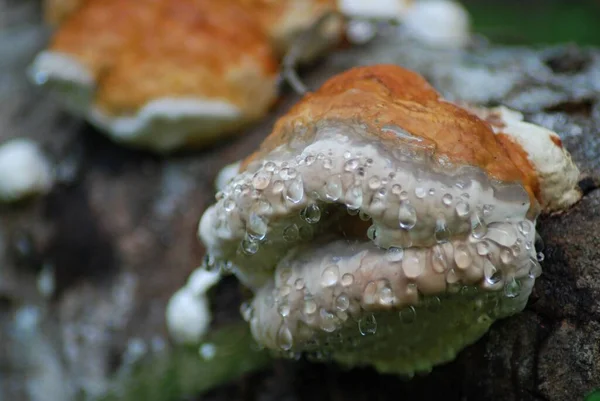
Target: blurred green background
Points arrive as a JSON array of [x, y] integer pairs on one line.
[[537, 21]]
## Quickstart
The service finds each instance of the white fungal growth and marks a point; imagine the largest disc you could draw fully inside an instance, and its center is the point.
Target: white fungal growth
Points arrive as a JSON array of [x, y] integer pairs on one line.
[[24, 170], [188, 314], [438, 23]]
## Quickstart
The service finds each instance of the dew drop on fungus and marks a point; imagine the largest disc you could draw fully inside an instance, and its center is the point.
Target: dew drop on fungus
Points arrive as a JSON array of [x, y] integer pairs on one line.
[[447, 199], [354, 197], [261, 180], [483, 248], [462, 257], [374, 182], [372, 232], [330, 276], [229, 205], [310, 306], [278, 187], [284, 338], [407, 215], [524, 227], [394, 254], [351, 164], [284, 309], [333, 188], [512, 288], [367, 325], [342, 302], [386, 296], [462, 209], [396, 189], [506, 256], [491, 273], [295, 191], [442, 232], [478, 226], [347, 279], [408, 315], [327, 321], [311, 213], [540, 256], [291, 233], [439, 262], [299, 284], [249, 247], [257, 227], [412, 266]]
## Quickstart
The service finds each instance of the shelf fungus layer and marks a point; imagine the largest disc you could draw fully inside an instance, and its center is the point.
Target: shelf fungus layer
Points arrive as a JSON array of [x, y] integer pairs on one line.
[[170, 74], [382, 225]]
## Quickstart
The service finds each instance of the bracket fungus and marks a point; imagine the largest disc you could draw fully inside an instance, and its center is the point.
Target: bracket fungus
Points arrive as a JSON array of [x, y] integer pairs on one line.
[[165, 74], [381, 225]]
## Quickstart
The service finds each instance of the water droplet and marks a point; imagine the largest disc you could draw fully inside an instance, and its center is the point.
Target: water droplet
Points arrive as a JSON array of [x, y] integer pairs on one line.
[[330, 276], [540, 256], [311, 213], [512, 288], [386, 296], [278, 187], [347, 154], [407, 215], [327, 164], [396, 189], [257, 227], [310, 306], [528, 245], [347, 279], [462, 209], [284, 338], [394, 254], [524, 227], [408, 315], [478, 226], [261, 180], [483, 248], [369, 293], [374, 182], [249, 247], [354, 197], [462, 257], [229, 205], [333, 188], [420, 192], [270, 166], [491, 273], [351, 164], [309, 160], [403, 195], [247, 311], [431, 191], [434, 304], [412, 266], [291, 233], [295, 191], [363, 216], [367, 325], [288, 173], [506, 256], [487, 210], [447, 199], [342, 302], [299, 284], [439, 262], [327, 321], [284, 309], [442, 232], [372, 233]]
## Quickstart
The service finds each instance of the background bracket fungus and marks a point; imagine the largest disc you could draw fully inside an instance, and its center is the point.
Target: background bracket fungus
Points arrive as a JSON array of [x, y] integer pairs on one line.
[[381, 225]]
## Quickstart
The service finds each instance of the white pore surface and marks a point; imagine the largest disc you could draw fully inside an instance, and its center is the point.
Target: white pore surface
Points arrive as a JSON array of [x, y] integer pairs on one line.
[[557, 173], [24, 170], [49, 65], [438, 23], [188, 314], [162, 125], [376, 9]]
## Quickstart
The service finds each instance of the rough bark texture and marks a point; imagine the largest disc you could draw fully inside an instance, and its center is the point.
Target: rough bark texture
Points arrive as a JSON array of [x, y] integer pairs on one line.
[[119, 232]]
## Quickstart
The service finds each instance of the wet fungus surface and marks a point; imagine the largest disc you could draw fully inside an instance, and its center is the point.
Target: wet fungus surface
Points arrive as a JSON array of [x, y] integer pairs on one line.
[[382, 225]]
